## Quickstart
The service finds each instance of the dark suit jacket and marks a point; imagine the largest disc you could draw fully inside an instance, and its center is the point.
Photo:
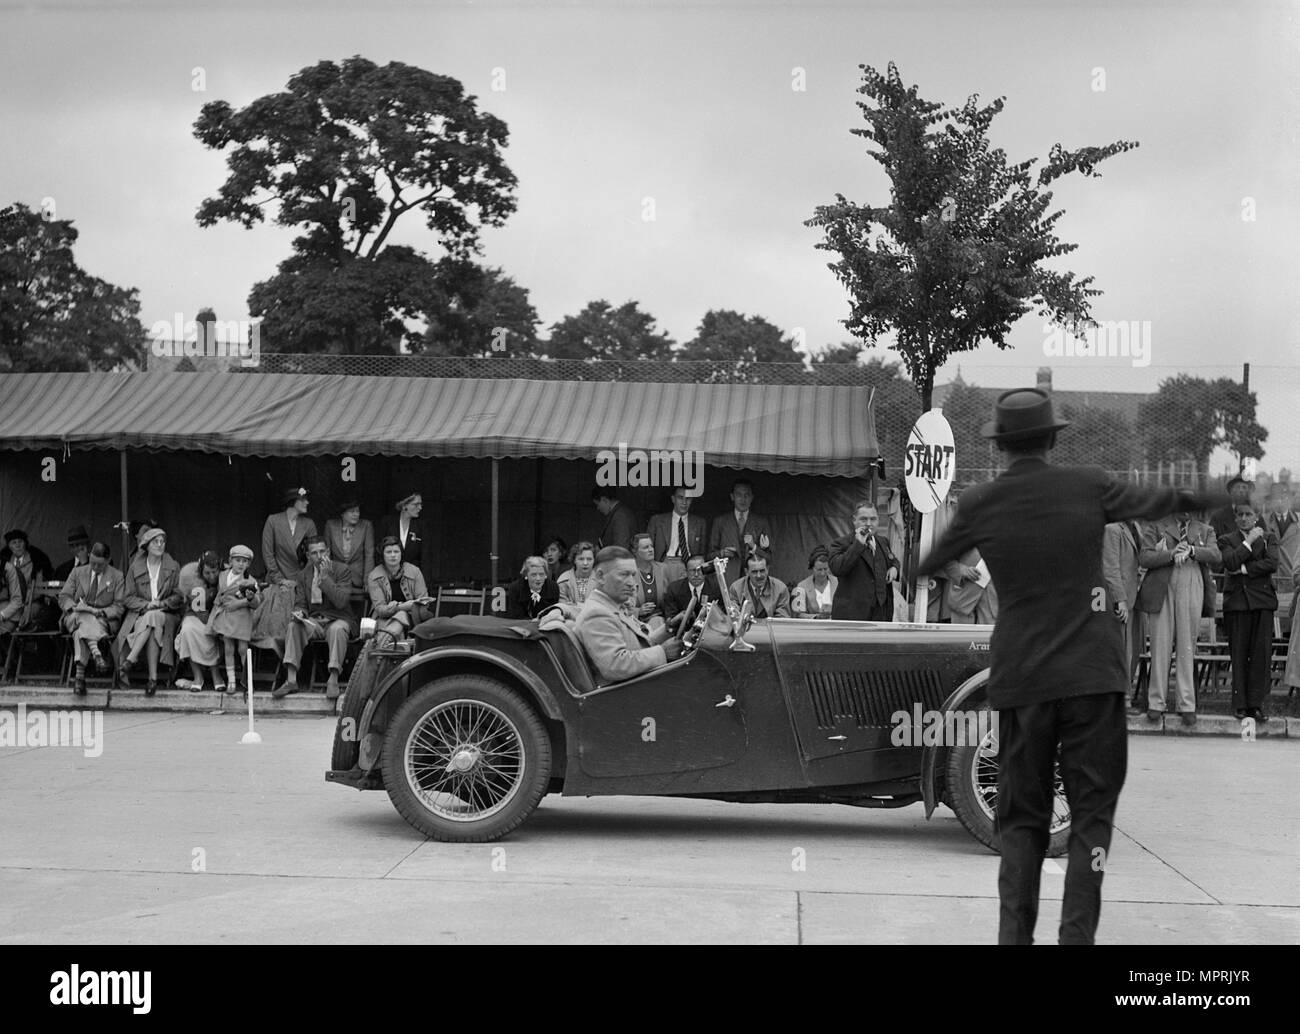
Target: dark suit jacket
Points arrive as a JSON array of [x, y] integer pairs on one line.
[[863, 594], [335, 594], [1223, 521], [413, 551], [519, 598], [725, 532], [661, 533], [1039, 529], [679, 594], [620, 526], [1254, 589]]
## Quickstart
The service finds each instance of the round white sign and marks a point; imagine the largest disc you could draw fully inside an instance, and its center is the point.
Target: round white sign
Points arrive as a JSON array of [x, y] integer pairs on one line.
[[930, 462]]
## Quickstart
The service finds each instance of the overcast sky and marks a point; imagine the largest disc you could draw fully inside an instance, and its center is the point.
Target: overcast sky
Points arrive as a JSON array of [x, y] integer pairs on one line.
[[692, 105]]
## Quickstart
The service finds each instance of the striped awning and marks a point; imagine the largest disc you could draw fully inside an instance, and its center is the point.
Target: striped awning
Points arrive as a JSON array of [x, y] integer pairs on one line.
[[798, 429]]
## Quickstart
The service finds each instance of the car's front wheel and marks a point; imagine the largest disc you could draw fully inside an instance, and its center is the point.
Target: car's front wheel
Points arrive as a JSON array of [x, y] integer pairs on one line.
[[466, 759], [972, 790]]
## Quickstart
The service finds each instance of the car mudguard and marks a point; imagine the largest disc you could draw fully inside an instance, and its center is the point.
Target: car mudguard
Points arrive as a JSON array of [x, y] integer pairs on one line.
[[930, 754]]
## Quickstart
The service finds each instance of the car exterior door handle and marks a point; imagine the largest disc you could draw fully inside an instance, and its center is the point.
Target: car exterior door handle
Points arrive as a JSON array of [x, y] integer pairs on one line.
[[728, 701]]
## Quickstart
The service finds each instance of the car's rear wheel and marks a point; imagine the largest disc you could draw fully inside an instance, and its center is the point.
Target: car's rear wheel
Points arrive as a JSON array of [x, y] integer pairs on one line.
[[466, 759], [972, 791]]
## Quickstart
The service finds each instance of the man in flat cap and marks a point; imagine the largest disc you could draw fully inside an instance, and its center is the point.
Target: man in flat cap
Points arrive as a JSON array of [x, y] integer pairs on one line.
[[1057, 668]]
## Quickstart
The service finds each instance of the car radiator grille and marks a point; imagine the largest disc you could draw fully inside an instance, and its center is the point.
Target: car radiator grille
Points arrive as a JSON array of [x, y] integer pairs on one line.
[[869, 698]]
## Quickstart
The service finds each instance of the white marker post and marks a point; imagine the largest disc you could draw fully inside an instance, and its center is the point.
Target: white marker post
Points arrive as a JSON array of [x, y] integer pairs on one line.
[[931, 460], [251, 736]]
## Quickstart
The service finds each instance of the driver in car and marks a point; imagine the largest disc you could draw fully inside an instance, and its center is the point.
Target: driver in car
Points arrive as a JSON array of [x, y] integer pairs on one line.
[[620, 646]]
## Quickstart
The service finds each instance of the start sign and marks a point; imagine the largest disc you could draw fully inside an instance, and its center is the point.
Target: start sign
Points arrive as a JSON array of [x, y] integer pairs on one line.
[[930, 462]]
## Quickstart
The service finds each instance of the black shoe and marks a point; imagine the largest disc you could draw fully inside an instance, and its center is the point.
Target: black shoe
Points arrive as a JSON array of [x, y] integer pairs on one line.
[[1241, 713], [124, 675], [79, 685], [151, 687]]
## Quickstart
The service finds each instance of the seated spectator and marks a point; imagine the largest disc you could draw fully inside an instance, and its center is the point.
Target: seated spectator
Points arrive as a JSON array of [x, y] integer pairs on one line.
[[153, 605], [322, 611], [532, 592], [40, 563], [93, 600], [283, 535], [770, 597], [397, 594], [351, 541], [699, 586], [620, 646], [232, 615], [555, 554], [79, 547], [575, 584], [195, 642], [812, 598], [22, 609], [652, 578]]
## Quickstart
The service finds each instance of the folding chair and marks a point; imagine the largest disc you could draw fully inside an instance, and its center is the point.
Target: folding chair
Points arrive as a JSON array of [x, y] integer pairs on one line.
[[60, 638], [474, 599]]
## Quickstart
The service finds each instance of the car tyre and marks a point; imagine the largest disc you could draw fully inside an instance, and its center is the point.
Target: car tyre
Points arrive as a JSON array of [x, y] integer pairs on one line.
[[971, 774], [466, 759]]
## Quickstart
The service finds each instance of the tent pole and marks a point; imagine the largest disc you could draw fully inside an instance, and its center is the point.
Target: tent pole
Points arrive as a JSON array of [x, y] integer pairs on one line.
[[126, 520], [496, 509]]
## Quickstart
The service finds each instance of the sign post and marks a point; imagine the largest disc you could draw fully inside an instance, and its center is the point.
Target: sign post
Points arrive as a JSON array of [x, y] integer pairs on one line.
[[928, 468]]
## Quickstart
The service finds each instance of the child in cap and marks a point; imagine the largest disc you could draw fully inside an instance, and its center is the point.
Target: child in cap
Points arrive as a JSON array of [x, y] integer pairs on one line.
[[232, 615]]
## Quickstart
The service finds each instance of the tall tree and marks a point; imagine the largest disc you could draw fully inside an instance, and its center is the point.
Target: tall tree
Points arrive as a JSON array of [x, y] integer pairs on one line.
[[480, 312], [737, 345], [343, 153], [1099, 436], [959, 253], [601, 331], [53, 314], [1189, 417]]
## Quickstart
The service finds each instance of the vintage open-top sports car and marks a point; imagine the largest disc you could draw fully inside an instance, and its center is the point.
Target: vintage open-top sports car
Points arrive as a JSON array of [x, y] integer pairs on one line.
[[483, 716]]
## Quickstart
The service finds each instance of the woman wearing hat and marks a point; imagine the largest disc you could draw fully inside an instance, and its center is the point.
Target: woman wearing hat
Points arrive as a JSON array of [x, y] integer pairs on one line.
[[351, 541], [194, 642], [283, 533], [397, 593], [153, 608], [406, 528], [232, 615]]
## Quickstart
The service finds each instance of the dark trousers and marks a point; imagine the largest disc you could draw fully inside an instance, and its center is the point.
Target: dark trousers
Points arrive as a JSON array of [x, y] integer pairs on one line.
[[1093, 742], [1250, 646]]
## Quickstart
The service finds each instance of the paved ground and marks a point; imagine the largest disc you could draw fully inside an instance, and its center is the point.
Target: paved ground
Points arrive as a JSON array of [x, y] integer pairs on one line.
[[177, 832]]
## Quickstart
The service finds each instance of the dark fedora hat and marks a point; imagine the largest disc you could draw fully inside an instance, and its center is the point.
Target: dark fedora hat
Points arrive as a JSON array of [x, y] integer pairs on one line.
[[1022, 413], [78, 534]]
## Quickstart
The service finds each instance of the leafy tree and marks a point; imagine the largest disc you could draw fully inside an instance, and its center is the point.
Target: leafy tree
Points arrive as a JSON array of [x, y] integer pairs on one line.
[[53, 314], [1189, 417], [966, 408], [481, 312], [343, 153], [736, 343], [600, 331], [1099, 436], [958, 254]]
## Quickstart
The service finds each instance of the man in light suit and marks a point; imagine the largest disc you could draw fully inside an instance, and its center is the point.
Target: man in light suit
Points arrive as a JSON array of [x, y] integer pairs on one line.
[[677, 535], [1283, 525], [1177, 552], [866, 570], [93, 601], [740, 533], [1120, 543], [620, 646], [322, 610]]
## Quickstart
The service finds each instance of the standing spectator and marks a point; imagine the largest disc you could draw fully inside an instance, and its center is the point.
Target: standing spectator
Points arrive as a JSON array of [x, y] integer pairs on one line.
[[1178, 553], [1283, 525], [866, 570], [770, 597], [93, 601], [1056, 660], [195, 642], [153, 605], [232, 615], [1224, 520], [1121, 541], [652, 579], [79, 547], [397, 594], [556, 554], [283, 535], [814, 597], [969, 602], [741, 533], [1250, 556], [677, 535], [406, 527], [351, 541], [620, 522], [322, 611], [699, 586], [575, 584], [532, 592]]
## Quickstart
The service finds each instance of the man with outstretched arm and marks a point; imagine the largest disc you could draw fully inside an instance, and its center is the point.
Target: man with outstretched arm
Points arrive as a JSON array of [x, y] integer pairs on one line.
[[1057, 658]]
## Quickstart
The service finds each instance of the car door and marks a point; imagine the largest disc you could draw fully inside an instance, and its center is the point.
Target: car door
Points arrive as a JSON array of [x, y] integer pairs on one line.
[[684, 717]]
